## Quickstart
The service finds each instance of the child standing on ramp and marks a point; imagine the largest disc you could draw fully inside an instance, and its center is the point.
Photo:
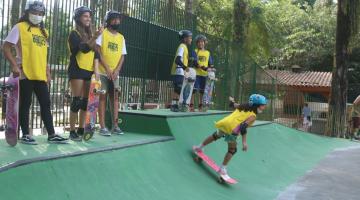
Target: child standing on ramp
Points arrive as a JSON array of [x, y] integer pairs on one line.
[[234, 125]]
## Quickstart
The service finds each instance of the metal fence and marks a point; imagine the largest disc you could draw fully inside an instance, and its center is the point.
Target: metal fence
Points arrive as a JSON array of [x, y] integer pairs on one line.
[[150, 29]]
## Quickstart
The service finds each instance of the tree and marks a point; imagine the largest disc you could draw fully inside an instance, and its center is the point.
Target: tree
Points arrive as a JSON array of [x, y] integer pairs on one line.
[[189, 14], [347, 26]]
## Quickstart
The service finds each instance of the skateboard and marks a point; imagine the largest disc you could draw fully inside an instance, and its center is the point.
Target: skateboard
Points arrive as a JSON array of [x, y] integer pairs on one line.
[[12, 110], [92, 106], [187, 90], [201, 156], [209, 88]]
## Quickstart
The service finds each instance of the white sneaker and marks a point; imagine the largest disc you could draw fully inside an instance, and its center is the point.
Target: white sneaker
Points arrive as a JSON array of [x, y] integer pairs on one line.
[[105, 132], [222, 171], [198, 149]]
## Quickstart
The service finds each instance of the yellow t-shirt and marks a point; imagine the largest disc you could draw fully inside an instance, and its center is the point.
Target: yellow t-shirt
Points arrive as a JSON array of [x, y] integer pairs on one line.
[[85, 60], [185, 58], [228, 123], [34, 51], [203, 60], [111, 49]]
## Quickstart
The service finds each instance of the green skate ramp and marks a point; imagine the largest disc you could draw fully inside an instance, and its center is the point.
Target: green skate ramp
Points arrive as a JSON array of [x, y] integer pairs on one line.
[[277, 157]]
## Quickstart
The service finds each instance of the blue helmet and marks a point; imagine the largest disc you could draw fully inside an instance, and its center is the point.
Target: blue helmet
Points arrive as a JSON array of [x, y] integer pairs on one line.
[[257, 99]]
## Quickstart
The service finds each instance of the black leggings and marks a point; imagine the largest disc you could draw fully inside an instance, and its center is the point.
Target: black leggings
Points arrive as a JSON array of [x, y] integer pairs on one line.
[[42, 93]]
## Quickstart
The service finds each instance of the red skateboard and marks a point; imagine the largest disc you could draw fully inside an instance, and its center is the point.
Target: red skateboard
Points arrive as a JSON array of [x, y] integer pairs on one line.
[[12, 110], [92, 106], [201, 156]]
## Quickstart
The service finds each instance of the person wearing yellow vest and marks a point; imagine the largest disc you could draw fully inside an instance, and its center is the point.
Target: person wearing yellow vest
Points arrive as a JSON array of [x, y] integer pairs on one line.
[[112, 50], [83, 63], [30, 40], [204, 61], [234, 125], [180, 64]]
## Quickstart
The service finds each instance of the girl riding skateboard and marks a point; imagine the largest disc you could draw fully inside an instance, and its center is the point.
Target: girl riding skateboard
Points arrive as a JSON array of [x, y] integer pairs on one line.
[[234, 125], [83, 63], [30, 40]]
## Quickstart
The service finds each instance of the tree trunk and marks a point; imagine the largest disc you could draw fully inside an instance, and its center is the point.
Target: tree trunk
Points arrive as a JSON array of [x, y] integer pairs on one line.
[[241, 18], [15, 12], [336, 122], [170, 13], [189, 14]]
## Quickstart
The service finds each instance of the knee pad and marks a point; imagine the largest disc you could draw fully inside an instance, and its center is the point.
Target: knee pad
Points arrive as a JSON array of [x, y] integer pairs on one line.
[[215, 136], [177, 90], [232, 151], [75, 104], [84, 103]]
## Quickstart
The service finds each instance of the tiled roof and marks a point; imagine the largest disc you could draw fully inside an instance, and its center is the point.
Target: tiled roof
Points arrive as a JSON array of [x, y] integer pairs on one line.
[[304, 79]]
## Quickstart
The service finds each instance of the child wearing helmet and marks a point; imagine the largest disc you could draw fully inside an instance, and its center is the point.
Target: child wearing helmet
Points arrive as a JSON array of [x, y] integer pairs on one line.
[[83, 63], [112, 50], [204, 62], [30, 40], [180, 64], [234, 125]]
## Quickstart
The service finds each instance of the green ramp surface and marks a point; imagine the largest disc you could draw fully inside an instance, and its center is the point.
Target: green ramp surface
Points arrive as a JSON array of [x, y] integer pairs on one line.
[[277, 156]]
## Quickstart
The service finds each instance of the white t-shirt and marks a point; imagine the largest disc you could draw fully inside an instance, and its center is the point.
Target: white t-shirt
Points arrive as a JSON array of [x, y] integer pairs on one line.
[[14, 38], [99, 42], [179, 69]]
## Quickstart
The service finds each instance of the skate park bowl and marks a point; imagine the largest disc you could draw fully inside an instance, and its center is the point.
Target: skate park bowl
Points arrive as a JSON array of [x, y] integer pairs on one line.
[[154, 160]]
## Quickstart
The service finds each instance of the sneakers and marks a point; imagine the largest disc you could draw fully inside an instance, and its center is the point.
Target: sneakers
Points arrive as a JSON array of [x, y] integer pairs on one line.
[[27, 139], [198, 149], [105, 132], [57, 139], [174, 108], [74, 136], [117, 131], [222, 171]]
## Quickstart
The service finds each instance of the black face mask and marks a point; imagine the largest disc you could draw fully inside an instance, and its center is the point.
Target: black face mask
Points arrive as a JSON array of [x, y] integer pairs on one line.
[[115, 26]]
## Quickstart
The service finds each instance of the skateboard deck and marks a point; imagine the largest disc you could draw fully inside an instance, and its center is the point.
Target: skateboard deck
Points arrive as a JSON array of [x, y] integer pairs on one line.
[[209, 88], [187, 90], [201, 156], [92, 106], [12, 110]]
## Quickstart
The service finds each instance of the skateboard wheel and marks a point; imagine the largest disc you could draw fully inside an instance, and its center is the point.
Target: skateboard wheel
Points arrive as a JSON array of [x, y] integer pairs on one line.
[[221, 180], [120, 121], [197, 159], [87, 136]]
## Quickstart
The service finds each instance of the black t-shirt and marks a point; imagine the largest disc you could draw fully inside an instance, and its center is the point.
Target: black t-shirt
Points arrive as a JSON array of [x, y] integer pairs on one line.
[[77, 45]]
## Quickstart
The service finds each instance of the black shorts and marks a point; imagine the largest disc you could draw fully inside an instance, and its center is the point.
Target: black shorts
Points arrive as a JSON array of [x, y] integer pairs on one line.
[[75, 72]]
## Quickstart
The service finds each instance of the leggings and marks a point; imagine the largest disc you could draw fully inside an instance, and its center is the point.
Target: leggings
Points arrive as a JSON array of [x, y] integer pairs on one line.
[[42, 93]]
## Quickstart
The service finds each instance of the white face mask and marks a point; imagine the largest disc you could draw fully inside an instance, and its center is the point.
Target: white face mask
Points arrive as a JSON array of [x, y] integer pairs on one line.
[[35, 19], [259, 110]]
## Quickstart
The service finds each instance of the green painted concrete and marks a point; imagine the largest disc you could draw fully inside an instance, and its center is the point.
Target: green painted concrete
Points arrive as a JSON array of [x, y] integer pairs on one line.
[[277, 157]]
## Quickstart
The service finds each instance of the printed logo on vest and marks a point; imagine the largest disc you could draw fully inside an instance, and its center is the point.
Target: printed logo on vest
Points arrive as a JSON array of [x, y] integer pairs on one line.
[[113, 46], [39, 40]]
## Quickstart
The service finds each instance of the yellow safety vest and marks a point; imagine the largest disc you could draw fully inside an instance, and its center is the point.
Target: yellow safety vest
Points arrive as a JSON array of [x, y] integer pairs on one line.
[[85, 60], [203, 60], [185, 58], [34, 51], [228, 123], [111, 49]]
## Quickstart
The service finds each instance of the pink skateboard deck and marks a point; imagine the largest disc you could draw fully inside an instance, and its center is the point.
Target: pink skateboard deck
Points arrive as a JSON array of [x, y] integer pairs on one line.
[[12, 110], [92, 106], [201, 156]]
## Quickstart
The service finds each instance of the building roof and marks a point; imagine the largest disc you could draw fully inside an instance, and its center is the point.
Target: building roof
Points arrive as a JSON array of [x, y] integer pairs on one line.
[[302, 79]]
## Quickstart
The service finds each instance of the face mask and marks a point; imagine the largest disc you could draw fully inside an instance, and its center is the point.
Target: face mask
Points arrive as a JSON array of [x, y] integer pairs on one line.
[[115, 26], [259, 110], [35, 19]]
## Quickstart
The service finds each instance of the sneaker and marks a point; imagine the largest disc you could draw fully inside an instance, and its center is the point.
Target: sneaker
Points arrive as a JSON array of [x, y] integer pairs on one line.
[[57, 139], [105, 132], [191, 108], [222, 171], [174, 108], [80, 132], [118, 131], [27, 139], [197, 149], [74, 136]]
